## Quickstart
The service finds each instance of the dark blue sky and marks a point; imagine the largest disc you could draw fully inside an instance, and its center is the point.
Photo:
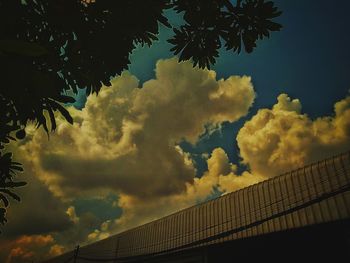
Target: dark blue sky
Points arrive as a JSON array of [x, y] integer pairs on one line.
[[309, 60]]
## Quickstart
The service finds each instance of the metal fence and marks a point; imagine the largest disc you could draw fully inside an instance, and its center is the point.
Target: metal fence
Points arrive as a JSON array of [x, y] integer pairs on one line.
[[314, 194]]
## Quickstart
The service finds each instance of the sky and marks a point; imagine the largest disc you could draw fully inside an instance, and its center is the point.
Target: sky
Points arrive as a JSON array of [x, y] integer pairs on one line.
[[170, 136]]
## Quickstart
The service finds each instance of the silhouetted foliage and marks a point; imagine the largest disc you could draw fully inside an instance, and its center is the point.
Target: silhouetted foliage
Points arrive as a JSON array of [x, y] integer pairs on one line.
[[207, 22], [50, 47], [8, 169]]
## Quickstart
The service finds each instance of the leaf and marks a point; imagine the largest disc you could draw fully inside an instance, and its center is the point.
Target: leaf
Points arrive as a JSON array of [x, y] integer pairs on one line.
[[65, 113], [14, 184], [164, 21], [13, 195], [11, 138], [4, 200], [18, 168], [42, 121], [52, 119], [21, 134], [65, 99]]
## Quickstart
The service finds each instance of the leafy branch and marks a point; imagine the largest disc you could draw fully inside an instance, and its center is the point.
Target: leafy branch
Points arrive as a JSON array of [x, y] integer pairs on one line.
[[8, 169]]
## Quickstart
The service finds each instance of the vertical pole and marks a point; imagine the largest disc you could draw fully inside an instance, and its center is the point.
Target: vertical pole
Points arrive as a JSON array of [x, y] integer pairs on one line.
[[76, 251], [116, 251], [205, 255]]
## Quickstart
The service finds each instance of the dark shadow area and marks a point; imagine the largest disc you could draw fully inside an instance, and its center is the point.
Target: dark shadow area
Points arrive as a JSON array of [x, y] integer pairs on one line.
[[329, 242], [315, 243]]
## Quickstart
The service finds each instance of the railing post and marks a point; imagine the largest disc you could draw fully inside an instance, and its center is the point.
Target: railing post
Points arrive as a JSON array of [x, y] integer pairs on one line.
[[116, 251], [76, 251]]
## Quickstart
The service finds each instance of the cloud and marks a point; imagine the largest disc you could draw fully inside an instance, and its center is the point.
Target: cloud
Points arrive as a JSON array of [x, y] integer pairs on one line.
[[72, 215], [28, 248], [39, 212], [282, 138], [274, 141], [221, 175], [125, 141], [56, 250], [127, 136]]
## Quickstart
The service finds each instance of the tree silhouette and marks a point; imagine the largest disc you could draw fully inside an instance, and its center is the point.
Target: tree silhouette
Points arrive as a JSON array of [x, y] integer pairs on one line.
[[50, 47]]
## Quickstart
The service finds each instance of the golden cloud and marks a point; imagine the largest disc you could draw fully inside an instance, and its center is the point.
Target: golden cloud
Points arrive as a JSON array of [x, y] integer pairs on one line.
[[28, 248], [127, 137], [282, 138], [274, 141], [126, 140]]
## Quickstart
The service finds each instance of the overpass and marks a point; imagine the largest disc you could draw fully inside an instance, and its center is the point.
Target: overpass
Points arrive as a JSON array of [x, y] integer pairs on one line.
[[304, 214]]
